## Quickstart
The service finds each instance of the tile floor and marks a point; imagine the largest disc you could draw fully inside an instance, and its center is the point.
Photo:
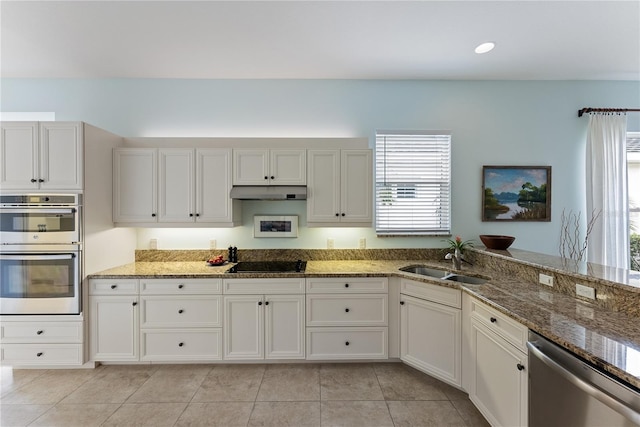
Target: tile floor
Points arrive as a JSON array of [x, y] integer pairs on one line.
[[360, 394]]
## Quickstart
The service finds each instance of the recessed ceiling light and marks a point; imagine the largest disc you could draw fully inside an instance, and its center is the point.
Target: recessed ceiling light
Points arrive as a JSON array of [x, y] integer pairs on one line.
[[485, 47]]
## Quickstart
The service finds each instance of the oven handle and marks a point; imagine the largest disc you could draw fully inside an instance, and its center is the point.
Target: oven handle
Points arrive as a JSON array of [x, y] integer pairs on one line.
[[37, 257], [39, 210], [583, 385]]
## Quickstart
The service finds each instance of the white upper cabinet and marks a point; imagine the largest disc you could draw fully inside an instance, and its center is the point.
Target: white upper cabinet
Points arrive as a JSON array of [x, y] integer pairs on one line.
[[269, 167], [340, 186], [173, 186], [41, 156], [135, 176]]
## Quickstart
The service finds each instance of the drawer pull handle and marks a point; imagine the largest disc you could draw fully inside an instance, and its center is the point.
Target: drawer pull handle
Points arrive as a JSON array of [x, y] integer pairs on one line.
[[114, 286], [401, 302], [346, 310], [520, 367], [266, 303], [346, 343], [134, 303], [180, 311], [180, 286], [493, 320], [346, 285], [181, 344], [40, 332], [39, 354], [259, 302]]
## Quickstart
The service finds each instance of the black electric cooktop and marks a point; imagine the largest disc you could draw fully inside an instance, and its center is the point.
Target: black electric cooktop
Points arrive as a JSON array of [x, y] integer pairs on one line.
[[269, 267]]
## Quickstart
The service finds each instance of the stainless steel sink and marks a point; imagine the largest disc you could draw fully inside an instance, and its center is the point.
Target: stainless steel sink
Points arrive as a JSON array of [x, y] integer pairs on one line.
[[465, 279], [425, 271]]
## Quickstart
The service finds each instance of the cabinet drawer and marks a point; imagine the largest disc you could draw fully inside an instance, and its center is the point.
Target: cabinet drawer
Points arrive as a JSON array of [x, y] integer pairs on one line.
[[39, 332], [346, 343], [181, 344], [181, 311], [347, 310], [434, 293], [113, 287], [512, 331], [263, 286], [41, 354], [331, 285], [180, 286]]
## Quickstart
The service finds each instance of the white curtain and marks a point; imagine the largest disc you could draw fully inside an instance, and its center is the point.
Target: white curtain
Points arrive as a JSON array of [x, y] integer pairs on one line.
[[607, 189]]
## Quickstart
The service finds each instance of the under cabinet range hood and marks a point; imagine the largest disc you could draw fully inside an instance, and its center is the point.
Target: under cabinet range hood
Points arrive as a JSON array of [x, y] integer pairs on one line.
[[269, 192]]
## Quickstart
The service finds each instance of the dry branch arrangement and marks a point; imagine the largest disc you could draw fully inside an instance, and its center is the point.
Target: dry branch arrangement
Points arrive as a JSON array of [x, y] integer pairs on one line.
[[571, 245]]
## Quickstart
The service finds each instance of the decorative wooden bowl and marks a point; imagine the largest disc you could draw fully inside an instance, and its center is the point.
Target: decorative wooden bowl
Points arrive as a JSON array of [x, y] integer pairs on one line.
[[494, 241]]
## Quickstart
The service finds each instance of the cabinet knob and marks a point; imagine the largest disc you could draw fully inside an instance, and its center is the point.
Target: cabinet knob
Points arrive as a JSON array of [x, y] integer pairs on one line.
[[34, 180], [346, 285], [197, 214], [39, 354], [181, 344], [180, 286], [259, 302], [347, 343], [153, 215], [401, 302], [266, 303], [520, 366], [343, 214], [493, 320], [346, 310], [337, 214], [273, 177], [114, 286], [180, 311], [191, 214], [266, 177], [41, 180], [134, 303], [40, 332]]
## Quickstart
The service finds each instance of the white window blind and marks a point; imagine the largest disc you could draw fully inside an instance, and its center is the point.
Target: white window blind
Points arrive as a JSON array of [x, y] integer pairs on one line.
[[413, 183]]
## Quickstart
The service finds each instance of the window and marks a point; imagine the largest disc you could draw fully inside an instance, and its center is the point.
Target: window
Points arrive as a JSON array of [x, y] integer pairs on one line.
[[413, 183], [633, 174]]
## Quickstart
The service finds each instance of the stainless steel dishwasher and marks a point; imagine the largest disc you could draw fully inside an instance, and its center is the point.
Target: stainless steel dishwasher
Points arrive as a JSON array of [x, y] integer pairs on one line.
[[566, 391]]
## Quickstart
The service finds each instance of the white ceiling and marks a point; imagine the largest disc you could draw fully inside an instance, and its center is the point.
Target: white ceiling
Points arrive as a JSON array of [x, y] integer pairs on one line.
[[536, 40]]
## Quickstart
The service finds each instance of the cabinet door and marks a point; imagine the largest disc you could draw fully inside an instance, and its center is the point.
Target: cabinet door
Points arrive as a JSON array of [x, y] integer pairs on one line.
[[61, 156], [284, 326], [134, 185], [243, 327], [213, 184], [498, 383], [251, 167], [176, 186], [288, 167], [114, 328], [430, 338], [356, 174], [19, 156], [323, 199]]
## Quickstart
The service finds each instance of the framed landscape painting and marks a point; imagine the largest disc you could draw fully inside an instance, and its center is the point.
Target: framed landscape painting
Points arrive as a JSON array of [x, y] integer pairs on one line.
[[516, 193]]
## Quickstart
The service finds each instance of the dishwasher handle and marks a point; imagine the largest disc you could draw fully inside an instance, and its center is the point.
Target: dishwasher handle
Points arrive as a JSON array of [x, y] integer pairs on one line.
[[585, 386]]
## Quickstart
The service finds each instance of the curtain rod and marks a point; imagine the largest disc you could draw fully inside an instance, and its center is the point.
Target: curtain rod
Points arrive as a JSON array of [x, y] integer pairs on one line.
[[605, 110]]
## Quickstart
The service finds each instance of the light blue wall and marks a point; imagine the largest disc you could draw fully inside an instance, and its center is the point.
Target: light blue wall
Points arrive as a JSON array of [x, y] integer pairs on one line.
[[492, 122]]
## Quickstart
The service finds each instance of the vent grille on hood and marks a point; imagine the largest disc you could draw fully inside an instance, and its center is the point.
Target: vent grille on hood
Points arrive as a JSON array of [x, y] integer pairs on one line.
[[269, 192]]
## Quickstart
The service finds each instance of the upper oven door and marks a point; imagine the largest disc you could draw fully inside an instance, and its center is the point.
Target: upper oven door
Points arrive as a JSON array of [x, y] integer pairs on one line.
[[39, 225]]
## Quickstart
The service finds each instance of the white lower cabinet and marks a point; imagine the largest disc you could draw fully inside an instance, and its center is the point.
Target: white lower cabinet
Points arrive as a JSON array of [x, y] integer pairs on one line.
[[41, 342], [113, 317], [347, 318], [264, 325], [431, 332], [498, 380]]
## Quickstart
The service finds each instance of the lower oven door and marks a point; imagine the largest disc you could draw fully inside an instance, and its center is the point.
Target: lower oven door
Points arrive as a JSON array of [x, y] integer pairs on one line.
[[40, 281]]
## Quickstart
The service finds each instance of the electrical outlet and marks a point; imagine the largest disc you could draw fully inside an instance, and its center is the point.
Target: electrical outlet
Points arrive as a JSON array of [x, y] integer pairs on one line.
[[545, 280], [153, 244], [585, 291], [213, 244], [363, 243], [330, 244]]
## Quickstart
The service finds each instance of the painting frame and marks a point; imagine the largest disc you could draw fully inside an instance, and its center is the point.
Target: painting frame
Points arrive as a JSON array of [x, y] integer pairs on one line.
[[275, 226], [531, 203]]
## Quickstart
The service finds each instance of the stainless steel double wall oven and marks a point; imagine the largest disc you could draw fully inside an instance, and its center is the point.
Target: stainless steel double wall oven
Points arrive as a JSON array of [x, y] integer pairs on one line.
[[40, 254]]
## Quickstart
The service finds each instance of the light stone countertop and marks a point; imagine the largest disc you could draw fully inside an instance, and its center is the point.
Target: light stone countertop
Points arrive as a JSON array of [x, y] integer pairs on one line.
[[608, 339]]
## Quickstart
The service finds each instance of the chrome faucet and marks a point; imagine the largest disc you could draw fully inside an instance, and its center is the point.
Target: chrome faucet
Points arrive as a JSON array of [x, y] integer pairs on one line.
[[456, 257]]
